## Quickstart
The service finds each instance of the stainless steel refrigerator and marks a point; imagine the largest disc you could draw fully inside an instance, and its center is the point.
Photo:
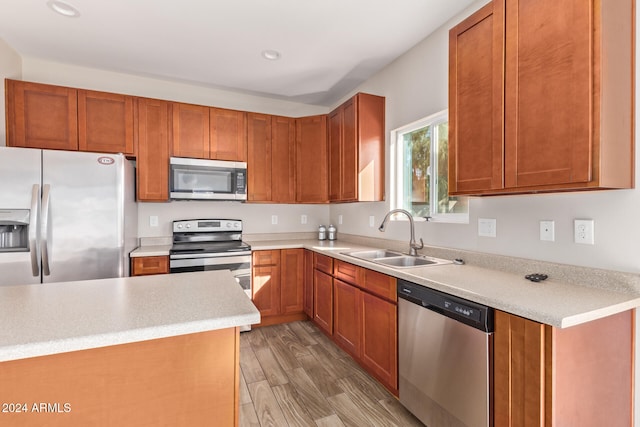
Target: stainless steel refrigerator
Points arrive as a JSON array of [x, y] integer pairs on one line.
[[65, 215]]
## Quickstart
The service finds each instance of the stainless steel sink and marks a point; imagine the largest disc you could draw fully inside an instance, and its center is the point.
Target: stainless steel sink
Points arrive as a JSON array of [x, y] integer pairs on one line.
[[374, 254], [396, 259]]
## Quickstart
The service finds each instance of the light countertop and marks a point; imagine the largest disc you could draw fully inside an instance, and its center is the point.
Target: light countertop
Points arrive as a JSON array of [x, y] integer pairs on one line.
[[552, 301], [52, 318]]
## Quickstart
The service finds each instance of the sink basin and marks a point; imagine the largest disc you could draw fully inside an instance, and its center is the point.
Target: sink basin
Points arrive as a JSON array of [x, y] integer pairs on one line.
[[395, 259], [405, 261], [374, 254]]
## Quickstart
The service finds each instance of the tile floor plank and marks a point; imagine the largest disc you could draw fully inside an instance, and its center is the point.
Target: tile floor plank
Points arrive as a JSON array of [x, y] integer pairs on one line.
[[369, 406], [248, 417], [244, 397], [309, 394], [322, 377], [265, 404], [330, 421], [293, 410], [400, 413], [250, 366], [348, 412], [303, 334], [270, 366]]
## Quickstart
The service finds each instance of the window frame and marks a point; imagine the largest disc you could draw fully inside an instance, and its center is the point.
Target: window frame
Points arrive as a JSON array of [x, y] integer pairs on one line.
[[397, 172]]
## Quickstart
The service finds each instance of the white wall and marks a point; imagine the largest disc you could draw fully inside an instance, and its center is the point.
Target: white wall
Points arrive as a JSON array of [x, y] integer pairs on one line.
[[10, 68], [415, 86]]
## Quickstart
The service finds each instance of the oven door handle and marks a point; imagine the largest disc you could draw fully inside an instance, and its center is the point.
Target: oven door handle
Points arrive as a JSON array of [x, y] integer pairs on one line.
[[219, 261], [226, 255]]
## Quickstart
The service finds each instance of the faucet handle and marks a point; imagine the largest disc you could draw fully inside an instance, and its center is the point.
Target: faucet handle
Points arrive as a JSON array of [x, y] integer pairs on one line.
[[416, 246]]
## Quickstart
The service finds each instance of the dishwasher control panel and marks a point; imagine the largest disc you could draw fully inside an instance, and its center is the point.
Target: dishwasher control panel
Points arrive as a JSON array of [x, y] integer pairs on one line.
[[468, 312]]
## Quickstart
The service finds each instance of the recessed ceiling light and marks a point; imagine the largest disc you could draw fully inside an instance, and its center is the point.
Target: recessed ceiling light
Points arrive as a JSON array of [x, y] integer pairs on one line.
[[64, 9], [271, 55]]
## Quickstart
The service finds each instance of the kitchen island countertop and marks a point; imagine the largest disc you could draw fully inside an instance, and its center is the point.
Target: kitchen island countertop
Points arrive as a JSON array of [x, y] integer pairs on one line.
[[45, 319], [553, 301]]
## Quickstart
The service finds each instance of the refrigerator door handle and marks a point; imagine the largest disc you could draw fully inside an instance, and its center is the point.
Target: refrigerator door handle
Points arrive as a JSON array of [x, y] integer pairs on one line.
[[46, 203], [33, 230]]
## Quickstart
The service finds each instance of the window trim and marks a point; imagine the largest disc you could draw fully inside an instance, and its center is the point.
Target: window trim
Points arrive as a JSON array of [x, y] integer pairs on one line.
[[396, 173]]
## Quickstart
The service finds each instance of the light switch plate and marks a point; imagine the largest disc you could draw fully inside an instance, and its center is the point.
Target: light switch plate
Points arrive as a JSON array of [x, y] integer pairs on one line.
[[274, 219], [487, 227], [153, 220], [303, 219], [372, 220]]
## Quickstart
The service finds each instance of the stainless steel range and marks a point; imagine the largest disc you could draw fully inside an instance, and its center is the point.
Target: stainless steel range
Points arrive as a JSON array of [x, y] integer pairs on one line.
[[211, 244]]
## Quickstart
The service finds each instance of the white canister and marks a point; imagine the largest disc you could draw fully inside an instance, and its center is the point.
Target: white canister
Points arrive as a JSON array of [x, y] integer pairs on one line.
[[333, 233], [322, 233]]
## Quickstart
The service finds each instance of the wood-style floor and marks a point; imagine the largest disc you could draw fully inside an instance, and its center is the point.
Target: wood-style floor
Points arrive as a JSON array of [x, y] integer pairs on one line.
[[293, 375]]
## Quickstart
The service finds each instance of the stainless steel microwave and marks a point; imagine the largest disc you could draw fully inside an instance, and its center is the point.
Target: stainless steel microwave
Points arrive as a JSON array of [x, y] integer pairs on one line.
[[199, 179]]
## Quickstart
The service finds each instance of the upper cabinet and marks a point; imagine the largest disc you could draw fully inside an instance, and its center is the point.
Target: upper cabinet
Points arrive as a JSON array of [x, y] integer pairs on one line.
[[41, 116], [190, 131], [61, 118], [259, 165], [356, 150], [154, 126], [539, 105], [311, 159], [105, 122], [228, 135]]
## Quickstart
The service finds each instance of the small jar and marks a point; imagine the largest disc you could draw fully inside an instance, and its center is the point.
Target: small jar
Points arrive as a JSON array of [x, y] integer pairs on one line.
[[333, 233], [322, 233]]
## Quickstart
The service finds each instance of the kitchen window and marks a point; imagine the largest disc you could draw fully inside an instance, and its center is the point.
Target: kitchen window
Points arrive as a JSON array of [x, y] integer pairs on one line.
[[420, 168]]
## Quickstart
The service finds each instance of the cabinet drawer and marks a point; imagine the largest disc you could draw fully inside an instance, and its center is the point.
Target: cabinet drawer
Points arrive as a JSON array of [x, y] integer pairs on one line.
[[379, 284], [266, 257], [346, 272], [323, 263], [143, 266]]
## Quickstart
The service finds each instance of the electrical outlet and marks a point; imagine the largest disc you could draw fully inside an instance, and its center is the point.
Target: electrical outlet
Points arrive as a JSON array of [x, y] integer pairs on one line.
[[372, 221], [339, 219], [583, 230], [547, 231], [153, 221], [274, 219], [303, 219], [487, 227]]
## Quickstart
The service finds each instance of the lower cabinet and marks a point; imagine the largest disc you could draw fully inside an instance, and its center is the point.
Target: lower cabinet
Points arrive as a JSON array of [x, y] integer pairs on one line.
[[357, 307], [277, 282], [147, 265], [576, 376]]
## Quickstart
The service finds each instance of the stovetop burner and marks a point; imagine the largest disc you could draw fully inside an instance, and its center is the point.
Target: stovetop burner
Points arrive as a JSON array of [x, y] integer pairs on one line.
[[208, 236]]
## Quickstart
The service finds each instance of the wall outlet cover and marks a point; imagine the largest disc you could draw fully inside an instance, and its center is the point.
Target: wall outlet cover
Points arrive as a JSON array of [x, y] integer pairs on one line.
[[547, 231], [583, 231], [487, 227]]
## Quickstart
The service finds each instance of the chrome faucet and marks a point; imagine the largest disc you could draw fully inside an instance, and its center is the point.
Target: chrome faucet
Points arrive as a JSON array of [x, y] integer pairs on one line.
[[413, 246]]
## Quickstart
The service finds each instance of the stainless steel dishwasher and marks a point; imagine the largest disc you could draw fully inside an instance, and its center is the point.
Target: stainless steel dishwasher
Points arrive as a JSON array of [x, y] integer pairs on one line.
[[445, 357]]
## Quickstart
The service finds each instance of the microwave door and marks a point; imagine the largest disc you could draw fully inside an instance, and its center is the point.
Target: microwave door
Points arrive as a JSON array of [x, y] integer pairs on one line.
[[202, 183]]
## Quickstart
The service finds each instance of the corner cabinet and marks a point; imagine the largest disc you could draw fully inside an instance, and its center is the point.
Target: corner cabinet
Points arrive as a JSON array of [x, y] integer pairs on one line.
[[537, 105], [356, 150], [277, 282], [577, 376]]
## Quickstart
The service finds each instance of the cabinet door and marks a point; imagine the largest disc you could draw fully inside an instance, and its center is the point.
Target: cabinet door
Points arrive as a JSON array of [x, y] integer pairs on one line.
[[291, 286], [476, 88], [266, 289], [347, 322], [228, 134], [153, 150], [369, 133], [380, 340], [41, 116], [335, 123], [190, 131], [308, 283], [311, 159], [144, 266], [349, 152], [549, 84], [323, 301], [283, 162], [259, 157], [105, 122]]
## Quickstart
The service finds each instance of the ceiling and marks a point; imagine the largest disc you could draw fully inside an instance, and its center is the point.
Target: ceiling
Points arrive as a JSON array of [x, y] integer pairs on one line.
[[327, 47]]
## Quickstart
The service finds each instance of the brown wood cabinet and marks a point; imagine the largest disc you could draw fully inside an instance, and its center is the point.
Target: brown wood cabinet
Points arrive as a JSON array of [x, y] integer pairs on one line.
[[259, 165], [357, 307], [41, 116], [190, 136], [277, 285], [283, 160], [228, 134], [311, 159], [154, 127], [308, 283], [148, 265], [356, 150], [577, 376], [105, 122], [567, 92]]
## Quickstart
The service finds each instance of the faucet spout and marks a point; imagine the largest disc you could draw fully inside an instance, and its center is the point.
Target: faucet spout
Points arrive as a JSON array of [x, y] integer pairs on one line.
[[413, 246]]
